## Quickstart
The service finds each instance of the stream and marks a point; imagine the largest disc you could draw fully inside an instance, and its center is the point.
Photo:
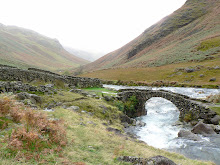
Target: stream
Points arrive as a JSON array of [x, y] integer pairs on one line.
[[162, 132]]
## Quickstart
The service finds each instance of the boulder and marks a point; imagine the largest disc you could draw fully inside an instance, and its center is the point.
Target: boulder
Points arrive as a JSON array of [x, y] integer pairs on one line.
[[108, 98], [216, 67], [116, 131], [213, 79], [188, 135], [125, 124], [23, 96], [35, 98], [208, 116], [217, 128], [156, 160], [203, 129], [201, 75], [215, 120], [125, 118], [160, 160], [140, 123], [73, 108], [189, 70]]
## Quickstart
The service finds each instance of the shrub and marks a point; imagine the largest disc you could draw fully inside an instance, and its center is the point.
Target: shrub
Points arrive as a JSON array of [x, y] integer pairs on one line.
[[130, 104], [35, 133], [120, 105], [188, 117], [4, 106]]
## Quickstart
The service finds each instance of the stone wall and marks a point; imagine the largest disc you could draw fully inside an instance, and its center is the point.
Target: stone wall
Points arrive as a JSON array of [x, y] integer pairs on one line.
[[8, 73], [190, 108]]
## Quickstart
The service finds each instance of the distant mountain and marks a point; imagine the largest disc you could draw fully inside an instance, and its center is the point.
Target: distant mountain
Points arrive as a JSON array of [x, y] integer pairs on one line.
[[23, 47], [191, 33], [90, 56]]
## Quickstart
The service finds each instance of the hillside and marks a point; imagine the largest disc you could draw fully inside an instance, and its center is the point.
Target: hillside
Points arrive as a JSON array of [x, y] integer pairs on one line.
[[22, 47], [90, 56], [192, 33]]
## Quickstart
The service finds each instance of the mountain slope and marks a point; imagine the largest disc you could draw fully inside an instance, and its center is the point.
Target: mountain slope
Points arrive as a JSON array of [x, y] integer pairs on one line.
[[90, 56], [22, 47], [176, 38]]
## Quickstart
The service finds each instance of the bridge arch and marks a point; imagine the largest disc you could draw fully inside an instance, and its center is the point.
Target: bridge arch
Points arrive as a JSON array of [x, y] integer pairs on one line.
[[188, 107]]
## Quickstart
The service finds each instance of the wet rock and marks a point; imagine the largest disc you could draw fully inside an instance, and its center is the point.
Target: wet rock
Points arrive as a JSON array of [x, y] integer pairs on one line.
[[208, 116], [203, 129], [217, 128], [140, 123], [188, 135], [215, 120], [193, 122], [177, 123]]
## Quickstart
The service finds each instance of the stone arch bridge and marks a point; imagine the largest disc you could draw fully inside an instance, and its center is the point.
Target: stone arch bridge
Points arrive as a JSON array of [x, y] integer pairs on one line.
[[193, 109]]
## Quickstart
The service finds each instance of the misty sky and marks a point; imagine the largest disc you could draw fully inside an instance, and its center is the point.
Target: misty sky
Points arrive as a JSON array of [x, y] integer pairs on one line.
[[91, 25]]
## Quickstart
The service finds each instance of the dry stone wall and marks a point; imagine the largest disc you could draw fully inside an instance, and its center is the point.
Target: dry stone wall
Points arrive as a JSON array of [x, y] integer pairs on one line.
[[8, 73]]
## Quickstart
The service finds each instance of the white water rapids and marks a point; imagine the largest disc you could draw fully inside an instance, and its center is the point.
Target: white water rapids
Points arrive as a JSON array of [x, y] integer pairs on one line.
[[160, 130]]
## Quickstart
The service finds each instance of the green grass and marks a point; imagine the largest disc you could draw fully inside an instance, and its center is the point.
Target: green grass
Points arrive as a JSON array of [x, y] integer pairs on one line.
[[100, 91], [216, 109]]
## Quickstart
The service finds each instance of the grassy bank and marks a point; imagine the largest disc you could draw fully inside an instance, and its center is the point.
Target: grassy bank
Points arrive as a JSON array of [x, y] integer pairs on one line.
[[88, 140]]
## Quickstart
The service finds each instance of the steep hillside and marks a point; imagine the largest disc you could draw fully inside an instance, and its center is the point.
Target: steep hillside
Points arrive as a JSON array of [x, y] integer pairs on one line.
[[90, 56], [22, 47], [179, 37]]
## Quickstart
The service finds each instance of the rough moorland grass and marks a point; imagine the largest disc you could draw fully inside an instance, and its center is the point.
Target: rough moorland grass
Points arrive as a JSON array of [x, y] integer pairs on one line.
[[165, 73], [93, 144], [209, 43], [96, 107], [28, 135], [88, 140]]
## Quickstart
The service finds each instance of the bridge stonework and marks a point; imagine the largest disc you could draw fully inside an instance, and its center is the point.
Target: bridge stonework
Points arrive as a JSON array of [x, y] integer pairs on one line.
[[189, 108]]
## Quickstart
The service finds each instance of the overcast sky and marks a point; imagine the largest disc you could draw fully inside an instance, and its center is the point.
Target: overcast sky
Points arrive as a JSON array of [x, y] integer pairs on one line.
[[91, 25]]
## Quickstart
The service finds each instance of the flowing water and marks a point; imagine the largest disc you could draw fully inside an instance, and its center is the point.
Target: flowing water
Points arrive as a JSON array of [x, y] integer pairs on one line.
[[161, 132]]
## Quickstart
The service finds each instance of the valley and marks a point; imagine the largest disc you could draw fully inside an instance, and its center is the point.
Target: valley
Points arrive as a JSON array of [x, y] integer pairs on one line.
[[153, 101]]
